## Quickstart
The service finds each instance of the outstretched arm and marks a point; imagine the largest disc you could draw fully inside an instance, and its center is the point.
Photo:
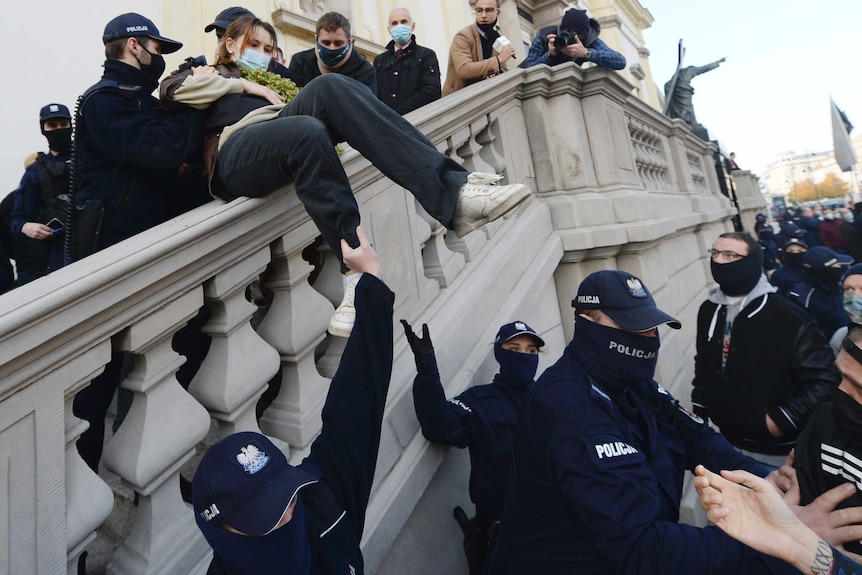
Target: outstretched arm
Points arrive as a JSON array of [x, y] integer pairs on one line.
[[749, 509]]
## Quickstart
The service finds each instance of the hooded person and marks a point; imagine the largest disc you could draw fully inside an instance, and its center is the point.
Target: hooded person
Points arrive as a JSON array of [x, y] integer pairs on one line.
[[483, 419], [601, 450], [574, 39], [819, 292], [760, 395], [792, 270], [851, 298]]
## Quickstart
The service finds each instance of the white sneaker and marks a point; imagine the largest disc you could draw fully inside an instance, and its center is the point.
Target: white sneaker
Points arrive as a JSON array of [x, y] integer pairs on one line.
[[481, 201], [342, 320]]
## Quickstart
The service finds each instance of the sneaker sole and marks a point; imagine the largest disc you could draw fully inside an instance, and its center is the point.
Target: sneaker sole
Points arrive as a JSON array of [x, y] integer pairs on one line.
[[516, 198], [340, 330]]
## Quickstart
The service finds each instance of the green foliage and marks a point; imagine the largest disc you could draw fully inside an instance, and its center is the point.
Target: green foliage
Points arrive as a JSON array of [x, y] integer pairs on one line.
[[281, 86]]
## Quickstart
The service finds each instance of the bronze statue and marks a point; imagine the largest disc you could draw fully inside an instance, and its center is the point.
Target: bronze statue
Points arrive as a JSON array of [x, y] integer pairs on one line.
[[678, 91]]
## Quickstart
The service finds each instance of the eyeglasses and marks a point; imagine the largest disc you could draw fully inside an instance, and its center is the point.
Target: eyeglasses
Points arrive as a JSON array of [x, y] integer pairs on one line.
[[480, 11], [729, 256]]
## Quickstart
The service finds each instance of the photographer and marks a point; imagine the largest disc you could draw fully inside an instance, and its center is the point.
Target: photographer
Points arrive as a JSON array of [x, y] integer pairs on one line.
[[576, 39]]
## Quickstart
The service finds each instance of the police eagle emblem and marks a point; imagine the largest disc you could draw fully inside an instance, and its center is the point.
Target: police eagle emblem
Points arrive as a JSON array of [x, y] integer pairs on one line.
[[519, 325], [252, 459], [636, 288]]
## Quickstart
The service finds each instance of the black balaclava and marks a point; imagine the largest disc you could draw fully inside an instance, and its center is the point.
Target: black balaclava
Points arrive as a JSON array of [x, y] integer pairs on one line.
[[615, 357], [793, 260], [516, 369], [738, 278], [59, 140]]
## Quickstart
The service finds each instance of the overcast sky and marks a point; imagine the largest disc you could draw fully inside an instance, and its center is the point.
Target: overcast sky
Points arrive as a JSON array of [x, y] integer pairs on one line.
[[784, 60]]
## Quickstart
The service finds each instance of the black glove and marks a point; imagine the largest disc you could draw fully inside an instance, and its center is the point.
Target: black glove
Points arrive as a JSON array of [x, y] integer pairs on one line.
[[419, 345]]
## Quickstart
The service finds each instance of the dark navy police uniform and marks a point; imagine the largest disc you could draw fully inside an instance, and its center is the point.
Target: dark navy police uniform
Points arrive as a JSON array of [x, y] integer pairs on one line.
[[597, 479]]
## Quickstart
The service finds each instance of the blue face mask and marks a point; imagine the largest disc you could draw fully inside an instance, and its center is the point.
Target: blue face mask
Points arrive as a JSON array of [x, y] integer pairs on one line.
[[253, 60], [332, 58], [401, 34], [853, 307], [519, 368]]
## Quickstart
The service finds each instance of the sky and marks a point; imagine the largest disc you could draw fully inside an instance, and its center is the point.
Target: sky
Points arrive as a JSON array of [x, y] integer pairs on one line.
[[785, 58]]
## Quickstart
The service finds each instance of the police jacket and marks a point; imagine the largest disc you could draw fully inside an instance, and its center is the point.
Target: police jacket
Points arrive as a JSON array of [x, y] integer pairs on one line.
[[344, 455], [39, 198], [410, 80], [597, 478], [827, 308], [779, 363], [827, 457], [130, 153], [303, 66], [483, 418]]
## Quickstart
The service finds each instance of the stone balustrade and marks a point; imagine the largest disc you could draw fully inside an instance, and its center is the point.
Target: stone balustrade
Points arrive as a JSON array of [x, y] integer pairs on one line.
[[616, 185]]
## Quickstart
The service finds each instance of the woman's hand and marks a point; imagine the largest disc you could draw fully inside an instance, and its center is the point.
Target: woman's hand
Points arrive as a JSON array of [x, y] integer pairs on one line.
[[257, 90]]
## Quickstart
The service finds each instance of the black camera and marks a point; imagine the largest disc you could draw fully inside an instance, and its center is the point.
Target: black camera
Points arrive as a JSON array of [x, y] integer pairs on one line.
[[190, 63], [563, 38]]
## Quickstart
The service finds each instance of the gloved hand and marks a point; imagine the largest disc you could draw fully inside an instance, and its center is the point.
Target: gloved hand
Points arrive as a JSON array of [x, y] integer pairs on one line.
[[419, 345]]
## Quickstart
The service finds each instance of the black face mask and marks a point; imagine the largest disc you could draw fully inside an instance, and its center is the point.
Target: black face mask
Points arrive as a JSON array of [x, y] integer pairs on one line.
[[489, 30], [615, 357], [59, 140], [848, 414], [516, 367], [830, 278], [794, 260], [155, 68], [738, 278]]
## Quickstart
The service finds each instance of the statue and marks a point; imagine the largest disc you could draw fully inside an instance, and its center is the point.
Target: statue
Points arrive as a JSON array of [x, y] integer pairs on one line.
[[678, 93]]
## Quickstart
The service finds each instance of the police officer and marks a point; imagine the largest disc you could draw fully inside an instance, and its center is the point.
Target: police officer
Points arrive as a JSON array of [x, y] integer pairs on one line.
[[39, 212], [483, 419], [601, 450]]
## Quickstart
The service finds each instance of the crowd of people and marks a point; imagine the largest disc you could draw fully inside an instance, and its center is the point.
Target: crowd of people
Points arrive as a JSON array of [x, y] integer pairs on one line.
[[578, 470]]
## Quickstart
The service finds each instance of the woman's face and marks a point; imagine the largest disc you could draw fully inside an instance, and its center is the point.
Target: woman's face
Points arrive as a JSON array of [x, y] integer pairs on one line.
[[259, 41]]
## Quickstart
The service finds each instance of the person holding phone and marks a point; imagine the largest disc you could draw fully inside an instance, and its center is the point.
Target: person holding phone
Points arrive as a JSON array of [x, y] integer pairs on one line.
[[40, 200]]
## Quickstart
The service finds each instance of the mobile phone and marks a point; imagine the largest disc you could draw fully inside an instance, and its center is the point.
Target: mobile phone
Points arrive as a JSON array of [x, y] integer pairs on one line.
[[55, 224]]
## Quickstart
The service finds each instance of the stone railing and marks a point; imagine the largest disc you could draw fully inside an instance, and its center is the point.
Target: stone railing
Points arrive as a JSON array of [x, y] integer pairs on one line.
[[616, 184]]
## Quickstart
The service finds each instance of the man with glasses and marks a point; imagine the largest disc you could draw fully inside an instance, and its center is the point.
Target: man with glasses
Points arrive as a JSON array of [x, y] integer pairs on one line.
[[762, 364], [472, 55]]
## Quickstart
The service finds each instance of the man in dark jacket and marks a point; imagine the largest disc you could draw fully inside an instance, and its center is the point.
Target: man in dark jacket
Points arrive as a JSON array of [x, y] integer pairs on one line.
[[600, 454], [819, 291], [130, 153], [263, 516], [829, 451], [576, 39], [483, 419], [408, 75], [334, 52], [131, 157], [762, 364], [39, 213]]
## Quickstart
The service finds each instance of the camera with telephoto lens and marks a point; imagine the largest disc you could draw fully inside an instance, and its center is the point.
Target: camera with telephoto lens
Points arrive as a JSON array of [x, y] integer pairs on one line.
[[190, 63], [563, 38]]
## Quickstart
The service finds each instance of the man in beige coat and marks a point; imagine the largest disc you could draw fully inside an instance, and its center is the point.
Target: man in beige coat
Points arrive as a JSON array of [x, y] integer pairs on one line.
[[472, 56]]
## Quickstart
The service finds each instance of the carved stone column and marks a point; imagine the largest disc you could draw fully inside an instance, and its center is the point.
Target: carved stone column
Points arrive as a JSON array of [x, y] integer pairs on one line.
[[88, 499], [295, 324], [239, 363], [158, 435]]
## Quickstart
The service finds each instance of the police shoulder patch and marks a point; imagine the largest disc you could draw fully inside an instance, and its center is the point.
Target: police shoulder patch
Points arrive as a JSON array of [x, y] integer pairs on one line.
[[461, 404], [607, 451], [690, 414]]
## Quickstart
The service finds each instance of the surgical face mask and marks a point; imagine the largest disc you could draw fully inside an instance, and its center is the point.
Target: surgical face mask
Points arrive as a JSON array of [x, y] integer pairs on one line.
[[853, 307], [818, 213], [848, 217], [59, 140], [829, 217], [155, 68], [253, 60], [332, 58], [401, 34]]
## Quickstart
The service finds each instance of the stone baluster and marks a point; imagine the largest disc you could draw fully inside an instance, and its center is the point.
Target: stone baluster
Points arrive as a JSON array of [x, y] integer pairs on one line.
[[461, 147], [159, 434], [89, 500], [239, 363], [440, 262], [295, 324]]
